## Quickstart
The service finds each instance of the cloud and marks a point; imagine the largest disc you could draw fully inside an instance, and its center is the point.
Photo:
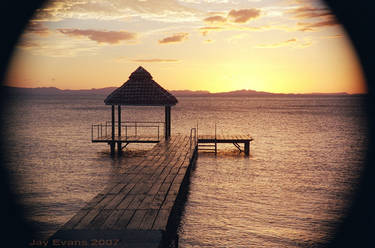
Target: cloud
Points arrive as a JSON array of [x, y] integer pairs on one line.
[[234, 17], [58, 48], [174, 38], [291, 42], [279, 44], [318, 15], [304, 12], [312, 26], [335, 36], [37, 28], [113, 9], [243, 15], [155, 60], [215, 19], [205, 30], [27, 43], [262, 28], [109, 37]]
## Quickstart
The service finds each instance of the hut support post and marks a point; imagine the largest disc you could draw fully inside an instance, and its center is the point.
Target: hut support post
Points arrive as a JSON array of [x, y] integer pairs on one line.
[[247, 148], [167, 122], [119, 150], [113, 131]]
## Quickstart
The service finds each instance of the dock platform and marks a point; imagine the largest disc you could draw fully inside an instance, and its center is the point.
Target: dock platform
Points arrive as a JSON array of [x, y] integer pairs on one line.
[[126, 139], [136, 209], [209, 142]]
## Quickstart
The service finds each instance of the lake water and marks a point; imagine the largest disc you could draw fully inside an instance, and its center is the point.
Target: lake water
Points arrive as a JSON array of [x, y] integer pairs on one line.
[[305, 163]]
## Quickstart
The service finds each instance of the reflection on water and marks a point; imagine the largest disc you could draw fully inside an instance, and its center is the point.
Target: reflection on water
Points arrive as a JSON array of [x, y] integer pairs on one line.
[[305, 161]]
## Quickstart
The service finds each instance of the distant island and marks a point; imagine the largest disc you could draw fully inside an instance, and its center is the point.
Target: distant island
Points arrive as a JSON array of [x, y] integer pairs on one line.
[[105, 91]]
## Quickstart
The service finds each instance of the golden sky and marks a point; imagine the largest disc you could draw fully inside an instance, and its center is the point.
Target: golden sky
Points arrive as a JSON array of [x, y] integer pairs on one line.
[[286, 46]]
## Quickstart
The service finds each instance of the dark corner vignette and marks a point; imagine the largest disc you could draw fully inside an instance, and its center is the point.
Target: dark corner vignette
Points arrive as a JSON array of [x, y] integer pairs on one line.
[[357, 227]]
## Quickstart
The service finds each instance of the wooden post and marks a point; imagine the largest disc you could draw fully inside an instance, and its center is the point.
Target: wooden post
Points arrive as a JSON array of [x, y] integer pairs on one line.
[[167, 122], [119, 150], [247, 148], [113, 131], [215, 141]]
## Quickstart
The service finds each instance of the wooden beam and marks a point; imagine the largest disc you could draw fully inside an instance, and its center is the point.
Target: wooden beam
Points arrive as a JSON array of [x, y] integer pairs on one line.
[[167, 122], [247, 148], [113, 131], [119, 149]]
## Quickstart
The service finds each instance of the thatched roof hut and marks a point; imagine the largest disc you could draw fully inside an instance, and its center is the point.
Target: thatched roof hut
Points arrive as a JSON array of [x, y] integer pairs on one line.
[[141, 90]]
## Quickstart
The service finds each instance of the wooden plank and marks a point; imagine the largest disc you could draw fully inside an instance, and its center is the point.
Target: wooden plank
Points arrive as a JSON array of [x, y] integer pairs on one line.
[[155, 187], [137, 178], [169, 178], [125, 202], [164, 187], [157, 201], [115, 201], [146, 202], [112, 219], [148, 219], [179, 178], [85, 221], [137, 219], [167, 205], [94, 201], [124, 220], [141, 188], [136, 201], [108, 188], [105, 201], [175, 168], [76, 219], [127, 189], [100, 219], [175, 188], [161, 220], [117, 188]]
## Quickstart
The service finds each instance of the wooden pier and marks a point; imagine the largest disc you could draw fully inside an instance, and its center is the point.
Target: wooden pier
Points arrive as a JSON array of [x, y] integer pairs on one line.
[[209, 142], [141, 205], [135, 209]]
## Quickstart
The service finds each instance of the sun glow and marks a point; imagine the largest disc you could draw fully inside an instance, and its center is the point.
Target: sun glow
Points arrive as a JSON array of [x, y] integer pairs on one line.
[[272, 46]]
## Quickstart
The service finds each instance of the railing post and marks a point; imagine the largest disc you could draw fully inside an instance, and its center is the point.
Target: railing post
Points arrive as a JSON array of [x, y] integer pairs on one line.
[[113, 131], [167, 122], [215, 141], [119, 150], [135, 128], [247, 148], [126, 132], [197, 130]]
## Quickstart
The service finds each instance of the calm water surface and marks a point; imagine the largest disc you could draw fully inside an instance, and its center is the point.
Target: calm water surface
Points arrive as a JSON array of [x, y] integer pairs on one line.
[[305, 163]]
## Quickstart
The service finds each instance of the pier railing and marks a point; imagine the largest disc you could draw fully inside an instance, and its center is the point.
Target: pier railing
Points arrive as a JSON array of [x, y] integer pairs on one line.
[[193, 138], [129, 130]]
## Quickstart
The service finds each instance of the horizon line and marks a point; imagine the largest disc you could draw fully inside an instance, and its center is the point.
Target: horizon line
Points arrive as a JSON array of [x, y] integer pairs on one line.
[[196, 91]]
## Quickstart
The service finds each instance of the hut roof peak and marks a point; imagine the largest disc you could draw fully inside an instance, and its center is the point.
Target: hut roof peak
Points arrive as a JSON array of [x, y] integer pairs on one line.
[[141, 90], [140, 73]]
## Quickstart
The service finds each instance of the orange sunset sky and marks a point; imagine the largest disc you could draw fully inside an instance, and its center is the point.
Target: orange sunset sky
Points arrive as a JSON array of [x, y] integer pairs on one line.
[[286, 46]]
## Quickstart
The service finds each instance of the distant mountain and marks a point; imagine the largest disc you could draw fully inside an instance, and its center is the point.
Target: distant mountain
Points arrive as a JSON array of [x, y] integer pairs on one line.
[[55, 91], [244, 93], [190, 92], [106, 91]]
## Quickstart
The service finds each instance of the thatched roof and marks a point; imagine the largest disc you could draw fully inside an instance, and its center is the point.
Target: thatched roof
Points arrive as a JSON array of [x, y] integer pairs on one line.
[[141, 90]]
